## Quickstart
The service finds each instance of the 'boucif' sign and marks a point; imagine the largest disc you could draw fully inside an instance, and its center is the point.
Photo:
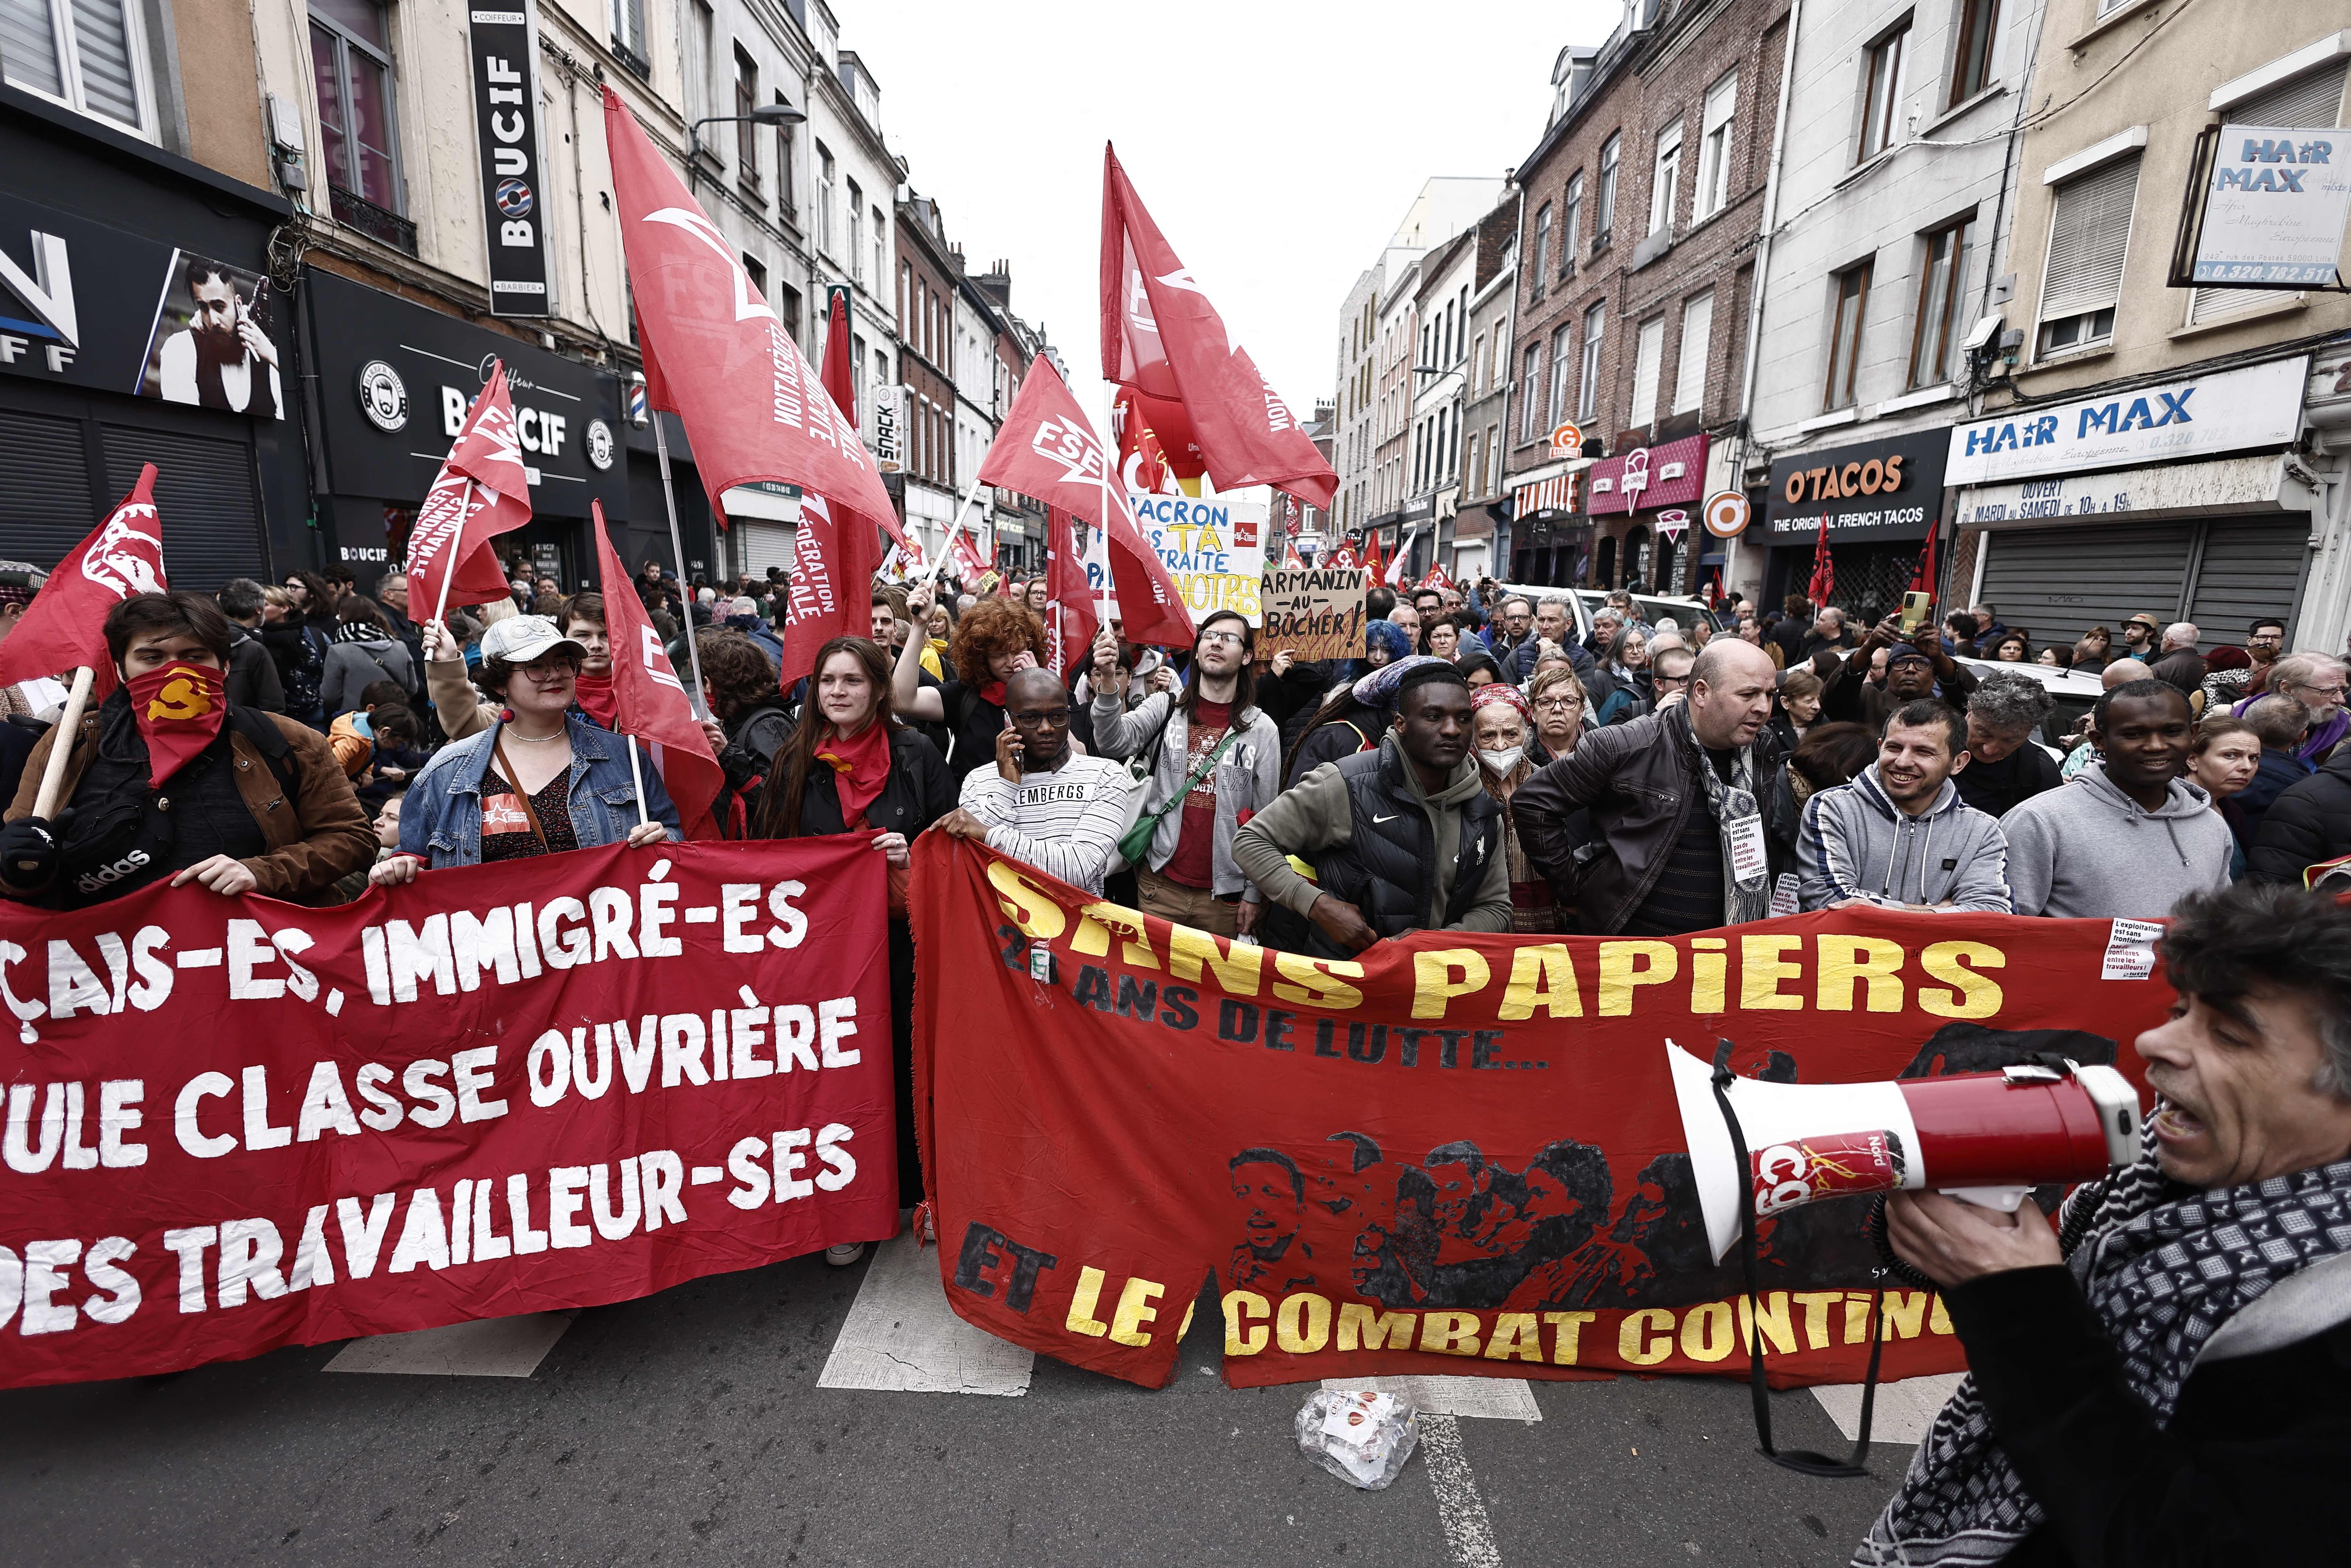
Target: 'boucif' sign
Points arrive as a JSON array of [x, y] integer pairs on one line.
[[505, 46]]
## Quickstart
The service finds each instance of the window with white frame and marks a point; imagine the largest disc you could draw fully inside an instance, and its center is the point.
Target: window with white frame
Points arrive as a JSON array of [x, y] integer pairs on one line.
[[84, 54], [2089, 237], [1587, 396], [1559, 362], [1469, 468], [824, 178], [1542, 245], [1603, 196], [1850, 299], [1935, 337], [1529, 406], [628, 20], [350, 57], [1664, 190], [1883, 76], [856, 233], [787, 196], [746, 130], [1690, 370], [1648, 357], [881, 250], [1714, 146], [2311, 101], [1493, 458], [1571, 222]]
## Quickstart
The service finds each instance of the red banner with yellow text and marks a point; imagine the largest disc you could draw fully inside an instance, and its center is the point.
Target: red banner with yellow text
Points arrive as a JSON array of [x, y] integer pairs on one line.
[[233, 1124], [1457, 1154]]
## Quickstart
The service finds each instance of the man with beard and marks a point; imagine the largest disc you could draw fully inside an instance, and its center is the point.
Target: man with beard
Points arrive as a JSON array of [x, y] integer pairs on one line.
[[1270, 1194], [2173, 1391], [219, 359]]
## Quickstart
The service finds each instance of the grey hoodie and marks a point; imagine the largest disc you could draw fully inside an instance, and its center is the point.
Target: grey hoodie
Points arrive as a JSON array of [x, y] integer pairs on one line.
[[1857, 844], [2087, 849]]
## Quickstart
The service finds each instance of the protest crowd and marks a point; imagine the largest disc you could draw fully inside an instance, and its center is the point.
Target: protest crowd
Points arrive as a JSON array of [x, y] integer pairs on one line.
[[1481, 766]]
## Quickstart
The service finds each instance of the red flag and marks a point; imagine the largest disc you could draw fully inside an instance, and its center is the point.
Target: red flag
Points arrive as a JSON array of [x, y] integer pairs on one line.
[[1155, 445], [65, 626], [649, 698], [1162, 337], [751, 404], [968, 564], [483, 490], [1290, 562], [1047, 449], [840, 377], [1070, 624], [1371, 561], [1923, 580], [1437, 577], [1824, 582], [1345, 556]]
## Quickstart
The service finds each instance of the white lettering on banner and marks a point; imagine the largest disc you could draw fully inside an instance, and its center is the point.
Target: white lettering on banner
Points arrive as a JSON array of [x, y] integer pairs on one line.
[[2259, 405]]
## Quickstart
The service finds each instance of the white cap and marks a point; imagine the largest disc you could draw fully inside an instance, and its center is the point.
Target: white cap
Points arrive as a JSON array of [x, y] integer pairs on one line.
[[520, 639]]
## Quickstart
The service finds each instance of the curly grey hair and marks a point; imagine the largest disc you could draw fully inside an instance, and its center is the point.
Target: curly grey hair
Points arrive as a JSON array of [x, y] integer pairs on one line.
[[2252, 937], [2009, 699]]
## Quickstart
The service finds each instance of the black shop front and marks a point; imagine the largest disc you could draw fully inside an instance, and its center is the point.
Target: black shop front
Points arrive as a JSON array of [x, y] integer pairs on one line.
[[1881, 500]]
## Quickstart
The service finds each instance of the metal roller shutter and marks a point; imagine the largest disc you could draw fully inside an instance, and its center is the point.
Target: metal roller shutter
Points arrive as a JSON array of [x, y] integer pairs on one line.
[[2060, 582], [760, 546], [46, 507], [204, 495], [2248, 568]]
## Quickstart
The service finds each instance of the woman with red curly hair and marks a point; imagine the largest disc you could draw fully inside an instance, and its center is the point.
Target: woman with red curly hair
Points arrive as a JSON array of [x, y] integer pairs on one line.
[[992, 639]]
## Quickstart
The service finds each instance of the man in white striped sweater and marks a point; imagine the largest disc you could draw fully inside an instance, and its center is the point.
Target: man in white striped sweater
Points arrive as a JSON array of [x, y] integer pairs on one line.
[[1044, 802]]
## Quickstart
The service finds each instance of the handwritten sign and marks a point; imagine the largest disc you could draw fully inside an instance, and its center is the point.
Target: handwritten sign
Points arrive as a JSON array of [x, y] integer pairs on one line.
[[1316, 614]]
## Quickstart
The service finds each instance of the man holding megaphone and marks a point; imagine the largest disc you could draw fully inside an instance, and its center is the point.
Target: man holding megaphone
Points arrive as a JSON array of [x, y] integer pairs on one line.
[[2168, 1380]]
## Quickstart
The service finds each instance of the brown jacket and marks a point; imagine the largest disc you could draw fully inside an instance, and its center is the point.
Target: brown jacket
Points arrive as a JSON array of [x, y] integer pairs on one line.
[[325, 835]]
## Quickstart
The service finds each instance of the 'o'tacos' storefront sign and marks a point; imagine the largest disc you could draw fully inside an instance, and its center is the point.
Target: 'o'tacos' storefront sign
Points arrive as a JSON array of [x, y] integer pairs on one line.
[[2260, 406], [1890, 489]]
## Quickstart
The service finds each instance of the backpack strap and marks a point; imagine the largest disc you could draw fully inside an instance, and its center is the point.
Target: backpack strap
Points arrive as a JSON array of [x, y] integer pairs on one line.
[[258, 728]]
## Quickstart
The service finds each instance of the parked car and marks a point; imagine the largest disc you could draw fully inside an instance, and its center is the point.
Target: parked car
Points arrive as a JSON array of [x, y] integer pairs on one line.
[[2075, 694], [1652, 607]]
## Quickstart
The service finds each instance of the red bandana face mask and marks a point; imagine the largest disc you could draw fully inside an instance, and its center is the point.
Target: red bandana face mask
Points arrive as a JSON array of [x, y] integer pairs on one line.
[[179, 708]]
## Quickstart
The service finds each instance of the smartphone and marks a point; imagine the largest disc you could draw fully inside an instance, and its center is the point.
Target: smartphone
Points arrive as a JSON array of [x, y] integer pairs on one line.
[[1917, 608]]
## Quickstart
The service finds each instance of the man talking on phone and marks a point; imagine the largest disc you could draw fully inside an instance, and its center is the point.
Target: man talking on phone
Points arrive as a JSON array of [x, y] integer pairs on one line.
[[222, 358], [1044, 802]]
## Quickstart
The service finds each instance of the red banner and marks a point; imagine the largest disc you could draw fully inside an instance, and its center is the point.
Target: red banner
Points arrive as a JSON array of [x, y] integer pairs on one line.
[[236, 1124], [1458, 1153]]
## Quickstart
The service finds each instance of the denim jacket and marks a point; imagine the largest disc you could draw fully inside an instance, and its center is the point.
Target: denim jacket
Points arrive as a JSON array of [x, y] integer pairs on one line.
[[441, 817]]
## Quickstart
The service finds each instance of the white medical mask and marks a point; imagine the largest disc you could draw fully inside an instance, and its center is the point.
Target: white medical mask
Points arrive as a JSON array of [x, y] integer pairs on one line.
[[1502, 761]]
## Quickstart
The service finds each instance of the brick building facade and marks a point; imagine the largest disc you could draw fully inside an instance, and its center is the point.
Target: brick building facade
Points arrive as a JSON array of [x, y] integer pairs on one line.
[[1641, 209]]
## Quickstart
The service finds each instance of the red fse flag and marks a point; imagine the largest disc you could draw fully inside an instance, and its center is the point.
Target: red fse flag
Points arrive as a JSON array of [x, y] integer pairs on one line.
[[63, 628], [1071, 623], [1162, 337], [749, 400], [1047, 449], [648, 697], [483, 490]]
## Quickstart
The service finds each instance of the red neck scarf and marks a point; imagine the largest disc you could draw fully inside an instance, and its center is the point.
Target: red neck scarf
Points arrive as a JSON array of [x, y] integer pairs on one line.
[[179, 708], [594, 695], [861, 766], [992, 692]]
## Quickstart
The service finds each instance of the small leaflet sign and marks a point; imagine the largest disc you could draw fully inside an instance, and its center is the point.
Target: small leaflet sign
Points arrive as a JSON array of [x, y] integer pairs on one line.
[[2274, 210]]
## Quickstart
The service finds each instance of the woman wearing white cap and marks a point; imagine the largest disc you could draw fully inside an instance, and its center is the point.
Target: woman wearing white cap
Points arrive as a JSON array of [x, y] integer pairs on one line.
[[539, 780]]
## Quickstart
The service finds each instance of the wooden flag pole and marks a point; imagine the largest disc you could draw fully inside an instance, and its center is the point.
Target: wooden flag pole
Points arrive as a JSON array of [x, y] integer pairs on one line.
[[677, 553], [449, 560], [53, 772], [637, 777]]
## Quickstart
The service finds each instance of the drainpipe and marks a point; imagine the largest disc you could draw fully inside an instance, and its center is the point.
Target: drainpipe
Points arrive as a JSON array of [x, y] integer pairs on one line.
[[1763, 271]]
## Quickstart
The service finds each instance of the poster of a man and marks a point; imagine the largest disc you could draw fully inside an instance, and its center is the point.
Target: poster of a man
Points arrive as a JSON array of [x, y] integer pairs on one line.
[[211, 343], [1270, 1194]]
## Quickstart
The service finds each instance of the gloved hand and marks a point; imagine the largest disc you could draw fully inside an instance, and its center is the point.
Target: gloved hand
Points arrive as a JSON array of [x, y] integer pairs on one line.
[[28, 852]]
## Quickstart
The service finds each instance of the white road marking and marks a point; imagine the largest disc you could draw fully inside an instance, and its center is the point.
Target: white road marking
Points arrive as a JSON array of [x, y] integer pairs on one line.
[[901, 1336], [1468, 1536], [1902, 1413], [487, 1347], [1493, 1398]]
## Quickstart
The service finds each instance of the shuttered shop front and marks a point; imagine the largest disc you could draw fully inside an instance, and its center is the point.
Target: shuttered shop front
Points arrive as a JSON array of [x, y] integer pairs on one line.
[[2219, 572]]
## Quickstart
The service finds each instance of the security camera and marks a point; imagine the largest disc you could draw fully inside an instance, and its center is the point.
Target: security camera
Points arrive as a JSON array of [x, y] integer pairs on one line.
[[1980, 336]]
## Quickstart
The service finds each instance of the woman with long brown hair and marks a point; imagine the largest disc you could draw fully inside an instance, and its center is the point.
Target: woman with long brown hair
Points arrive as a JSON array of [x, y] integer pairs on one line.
[[852, 767]]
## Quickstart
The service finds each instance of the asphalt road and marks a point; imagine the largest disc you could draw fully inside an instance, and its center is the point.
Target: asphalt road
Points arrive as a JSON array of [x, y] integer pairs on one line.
[[689, 1428]]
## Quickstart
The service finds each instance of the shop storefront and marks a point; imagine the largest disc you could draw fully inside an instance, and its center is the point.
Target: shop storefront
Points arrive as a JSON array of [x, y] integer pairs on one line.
[[1550, 541], [393, 381], [2182, 501], [1624, 497], [130, 279], [1881, 500]]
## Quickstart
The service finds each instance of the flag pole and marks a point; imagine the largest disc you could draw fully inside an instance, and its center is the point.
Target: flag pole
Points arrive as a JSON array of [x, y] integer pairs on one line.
[[53, 772], [637, 777], [448, 565], [677, 553], [946, 546], [1110, 424]]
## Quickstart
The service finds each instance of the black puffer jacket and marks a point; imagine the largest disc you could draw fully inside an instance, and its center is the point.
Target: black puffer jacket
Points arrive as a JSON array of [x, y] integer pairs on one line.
[[1636, 779], [2310, 821]]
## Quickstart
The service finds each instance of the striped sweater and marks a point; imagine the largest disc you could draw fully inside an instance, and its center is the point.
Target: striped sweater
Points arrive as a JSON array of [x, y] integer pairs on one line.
[[1066, 823]]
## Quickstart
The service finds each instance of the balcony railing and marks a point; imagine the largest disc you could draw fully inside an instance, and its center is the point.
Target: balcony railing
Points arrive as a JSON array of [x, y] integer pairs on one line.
[[376, 222]]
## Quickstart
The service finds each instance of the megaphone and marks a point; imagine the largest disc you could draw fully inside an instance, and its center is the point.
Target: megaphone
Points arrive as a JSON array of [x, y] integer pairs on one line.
[[1987, 1138]]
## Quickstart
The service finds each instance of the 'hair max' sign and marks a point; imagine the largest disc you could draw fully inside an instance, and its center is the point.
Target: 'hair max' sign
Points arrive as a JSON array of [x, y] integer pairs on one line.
[[2260, 406]]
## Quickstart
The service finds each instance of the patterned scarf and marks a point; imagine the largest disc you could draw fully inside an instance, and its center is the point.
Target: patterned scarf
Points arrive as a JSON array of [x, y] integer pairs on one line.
[[2164, 1266], [360, 632], [1730, 804]]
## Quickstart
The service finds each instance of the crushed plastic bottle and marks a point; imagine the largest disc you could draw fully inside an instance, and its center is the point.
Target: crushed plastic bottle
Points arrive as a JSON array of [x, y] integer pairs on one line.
[[1361, 1436]]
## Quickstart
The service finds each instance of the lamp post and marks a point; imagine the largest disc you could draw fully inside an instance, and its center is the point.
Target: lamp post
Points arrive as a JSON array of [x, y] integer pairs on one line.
[[765, 114]]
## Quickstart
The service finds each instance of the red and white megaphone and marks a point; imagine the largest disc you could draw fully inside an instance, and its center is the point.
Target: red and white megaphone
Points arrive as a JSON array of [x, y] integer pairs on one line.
[[1988, 1137]]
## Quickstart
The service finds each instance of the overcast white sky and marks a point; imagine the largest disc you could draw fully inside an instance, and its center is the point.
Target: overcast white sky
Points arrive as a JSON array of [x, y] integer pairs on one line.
[[1278, 144]]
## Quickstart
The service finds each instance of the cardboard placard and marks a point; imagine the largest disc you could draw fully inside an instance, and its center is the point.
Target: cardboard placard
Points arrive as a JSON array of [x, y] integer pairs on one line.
[[1316, 613]]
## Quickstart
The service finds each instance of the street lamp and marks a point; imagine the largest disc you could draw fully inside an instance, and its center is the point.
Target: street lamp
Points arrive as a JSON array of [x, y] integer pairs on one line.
[[765, 114]]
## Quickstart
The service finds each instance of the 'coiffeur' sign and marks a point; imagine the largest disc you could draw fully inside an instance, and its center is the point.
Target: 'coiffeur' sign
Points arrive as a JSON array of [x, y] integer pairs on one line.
[[1875, 490]]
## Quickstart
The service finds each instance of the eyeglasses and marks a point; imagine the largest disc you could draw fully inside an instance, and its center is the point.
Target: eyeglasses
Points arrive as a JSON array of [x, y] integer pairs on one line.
[[1052, 718], [551, 669], [1668, 680], [2337, 691], [1234, 638], [1557, 705]]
